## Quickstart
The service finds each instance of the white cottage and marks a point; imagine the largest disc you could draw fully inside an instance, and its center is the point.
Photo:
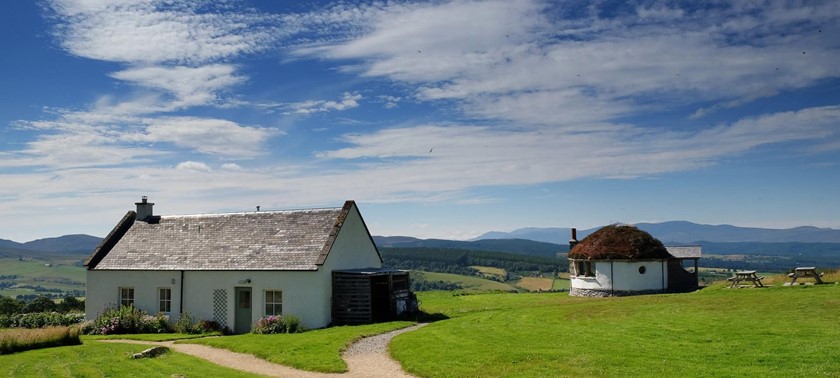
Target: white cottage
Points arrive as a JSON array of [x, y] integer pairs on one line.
[[622, 260], [231, 268]]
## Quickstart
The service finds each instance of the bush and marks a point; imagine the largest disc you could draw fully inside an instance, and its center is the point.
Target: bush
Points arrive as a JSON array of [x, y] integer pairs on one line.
[[40, 320], [278, 324], [10, 306], [207, 326], [25, 339], [185, 323], [41, 304], [126, 319], [71, 303]]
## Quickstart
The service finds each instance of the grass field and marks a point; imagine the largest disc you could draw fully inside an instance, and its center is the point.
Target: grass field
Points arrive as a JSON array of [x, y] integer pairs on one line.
[[776, 331], [315, 350], [95, 359], [490, 271], [470, 284], [535, 283], [561, 284], [40, 273]]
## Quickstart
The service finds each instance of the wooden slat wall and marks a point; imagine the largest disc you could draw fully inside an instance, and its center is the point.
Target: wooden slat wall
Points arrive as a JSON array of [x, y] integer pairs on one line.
[[353, 301]]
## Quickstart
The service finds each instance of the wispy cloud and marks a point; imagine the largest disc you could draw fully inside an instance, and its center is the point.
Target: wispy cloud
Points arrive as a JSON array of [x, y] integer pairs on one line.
[[190, 86], [151, 31], [501, 52], [348, 101]]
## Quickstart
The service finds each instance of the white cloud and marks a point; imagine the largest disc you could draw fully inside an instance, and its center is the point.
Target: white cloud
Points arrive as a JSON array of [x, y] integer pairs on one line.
[[158, 31], [191, 86], [193, 166], [205, 135], [348, 101], [490, 53], [436, 158], [231, 167]]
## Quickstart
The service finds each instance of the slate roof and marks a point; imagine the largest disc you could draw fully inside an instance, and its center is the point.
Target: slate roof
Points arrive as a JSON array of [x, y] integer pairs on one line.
[[685, 251], [266, 240]]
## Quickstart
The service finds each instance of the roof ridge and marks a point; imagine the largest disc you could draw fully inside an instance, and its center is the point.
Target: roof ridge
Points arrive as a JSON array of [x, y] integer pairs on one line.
[[251, 212]]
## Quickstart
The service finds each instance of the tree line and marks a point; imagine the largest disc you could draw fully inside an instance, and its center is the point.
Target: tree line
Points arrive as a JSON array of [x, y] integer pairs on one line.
[[459, 261]]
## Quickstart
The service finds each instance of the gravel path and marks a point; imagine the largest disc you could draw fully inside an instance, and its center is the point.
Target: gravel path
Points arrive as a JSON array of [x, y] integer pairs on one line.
[[367, 357]]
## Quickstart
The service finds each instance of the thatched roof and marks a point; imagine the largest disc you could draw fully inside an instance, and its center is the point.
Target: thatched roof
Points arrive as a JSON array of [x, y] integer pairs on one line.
[[619, 242]]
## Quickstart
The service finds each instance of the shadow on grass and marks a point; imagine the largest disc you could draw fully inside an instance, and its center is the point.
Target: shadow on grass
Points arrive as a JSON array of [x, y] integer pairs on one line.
[[424, 317]]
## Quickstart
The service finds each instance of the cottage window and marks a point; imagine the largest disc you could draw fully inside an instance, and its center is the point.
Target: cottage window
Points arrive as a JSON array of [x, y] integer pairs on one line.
[[584, 268], [273, 302], [165, 299], [126, 296]]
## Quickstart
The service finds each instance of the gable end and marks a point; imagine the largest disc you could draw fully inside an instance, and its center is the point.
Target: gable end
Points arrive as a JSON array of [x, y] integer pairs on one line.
[[339, 222], [111, 240]]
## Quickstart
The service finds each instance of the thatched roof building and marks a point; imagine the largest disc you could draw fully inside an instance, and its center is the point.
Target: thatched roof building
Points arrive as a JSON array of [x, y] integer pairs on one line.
[[624, 260], [619, 242]]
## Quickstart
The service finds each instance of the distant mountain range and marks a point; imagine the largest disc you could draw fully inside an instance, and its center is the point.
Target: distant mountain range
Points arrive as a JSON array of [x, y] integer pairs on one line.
[[516, 246], [683, 232], [67, 246], [724, 239]]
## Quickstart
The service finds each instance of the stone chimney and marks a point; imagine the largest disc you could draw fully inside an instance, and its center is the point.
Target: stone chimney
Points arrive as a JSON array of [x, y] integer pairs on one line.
[[573, 241], [144, 209]]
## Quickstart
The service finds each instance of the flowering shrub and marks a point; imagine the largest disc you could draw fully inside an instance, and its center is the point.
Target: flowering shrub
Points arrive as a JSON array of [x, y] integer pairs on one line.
[[126, 319], [270, 324], [40, 320], [278, 324]]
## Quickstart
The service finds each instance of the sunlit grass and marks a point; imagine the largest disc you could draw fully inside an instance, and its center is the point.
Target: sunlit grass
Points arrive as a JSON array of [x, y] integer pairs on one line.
[[98, 359], [318, 350], [774, 331], [19, 339]]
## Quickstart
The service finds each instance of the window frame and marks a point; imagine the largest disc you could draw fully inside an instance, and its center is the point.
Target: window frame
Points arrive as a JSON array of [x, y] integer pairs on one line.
[[276, 302], [584, 268], [167, 308], [126, 296]]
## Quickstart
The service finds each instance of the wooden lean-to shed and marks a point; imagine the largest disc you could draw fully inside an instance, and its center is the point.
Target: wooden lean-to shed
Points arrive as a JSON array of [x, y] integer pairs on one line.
[[365, 296]]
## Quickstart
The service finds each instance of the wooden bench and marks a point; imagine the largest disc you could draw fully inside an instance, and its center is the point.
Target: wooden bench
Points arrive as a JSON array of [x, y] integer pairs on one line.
[[805, 271], [745, 275]]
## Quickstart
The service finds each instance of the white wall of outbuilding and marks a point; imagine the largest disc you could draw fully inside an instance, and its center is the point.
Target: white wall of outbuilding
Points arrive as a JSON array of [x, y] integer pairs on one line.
[[624, 275]]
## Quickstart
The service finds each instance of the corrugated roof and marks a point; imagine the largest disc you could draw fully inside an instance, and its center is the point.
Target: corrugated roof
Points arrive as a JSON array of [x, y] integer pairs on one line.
[[267, 240], [685, 251]]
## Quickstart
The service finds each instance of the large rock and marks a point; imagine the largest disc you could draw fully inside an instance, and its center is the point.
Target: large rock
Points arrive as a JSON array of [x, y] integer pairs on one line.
[[151, 352]]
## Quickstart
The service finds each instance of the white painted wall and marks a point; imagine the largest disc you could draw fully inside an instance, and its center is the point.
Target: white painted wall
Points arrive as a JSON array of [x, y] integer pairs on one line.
[[102, 289], [624, 275], [306, 294]]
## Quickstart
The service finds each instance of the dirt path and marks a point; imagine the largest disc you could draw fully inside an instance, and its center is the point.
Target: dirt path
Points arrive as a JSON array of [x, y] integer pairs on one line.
[[367, 357]]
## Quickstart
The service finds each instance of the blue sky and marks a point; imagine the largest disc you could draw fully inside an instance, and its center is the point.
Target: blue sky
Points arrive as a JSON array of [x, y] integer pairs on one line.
[[441, 119]]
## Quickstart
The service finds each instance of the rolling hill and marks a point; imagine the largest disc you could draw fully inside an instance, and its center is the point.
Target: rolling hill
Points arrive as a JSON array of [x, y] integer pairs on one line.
[[685, 232]]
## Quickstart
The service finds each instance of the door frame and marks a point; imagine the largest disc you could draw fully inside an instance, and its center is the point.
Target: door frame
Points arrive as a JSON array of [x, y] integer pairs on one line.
[[242, 317]]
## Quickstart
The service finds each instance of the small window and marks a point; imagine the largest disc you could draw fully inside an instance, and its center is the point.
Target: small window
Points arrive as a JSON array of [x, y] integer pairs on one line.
[[588, 269], [126, 296], [583, 268], [165, 299], [273, 302]]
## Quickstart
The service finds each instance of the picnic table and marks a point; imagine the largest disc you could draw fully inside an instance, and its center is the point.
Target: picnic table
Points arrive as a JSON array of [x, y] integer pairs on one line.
[[745, 275], [805, 271]]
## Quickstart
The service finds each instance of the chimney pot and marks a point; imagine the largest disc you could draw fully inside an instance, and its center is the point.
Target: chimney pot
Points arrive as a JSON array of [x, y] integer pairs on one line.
[[573, 242], [144, 208]]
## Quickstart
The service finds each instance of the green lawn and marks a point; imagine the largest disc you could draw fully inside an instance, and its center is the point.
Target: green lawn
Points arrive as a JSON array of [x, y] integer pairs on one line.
[[777, 331], [96, 359], [318, 350]]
